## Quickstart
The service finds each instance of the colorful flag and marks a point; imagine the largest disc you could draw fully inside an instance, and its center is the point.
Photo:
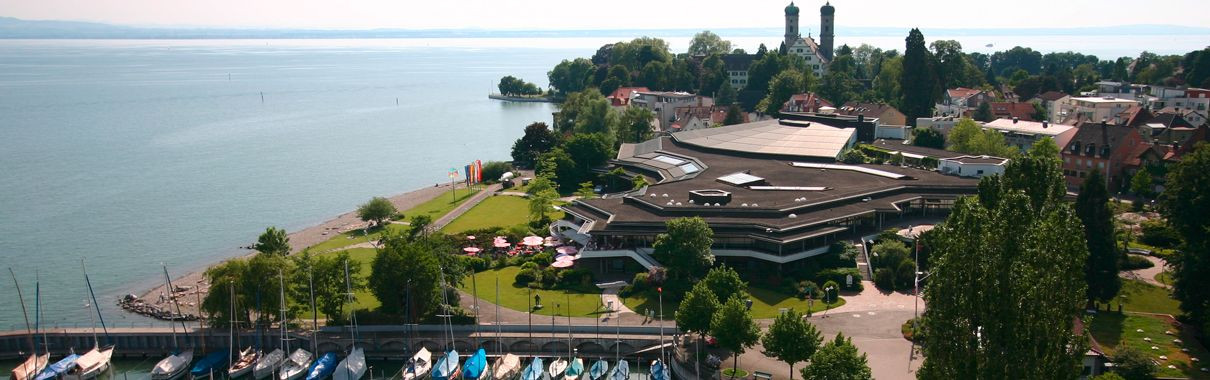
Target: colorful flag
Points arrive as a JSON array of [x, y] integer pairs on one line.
[[478, 171], [453, 173]]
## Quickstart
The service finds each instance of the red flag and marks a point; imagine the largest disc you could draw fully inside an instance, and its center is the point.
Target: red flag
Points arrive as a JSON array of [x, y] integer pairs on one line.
[[478, 171]]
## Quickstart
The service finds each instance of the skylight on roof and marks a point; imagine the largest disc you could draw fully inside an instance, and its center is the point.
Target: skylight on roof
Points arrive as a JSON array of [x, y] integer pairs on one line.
[[740, 179], [690, 168], [789, 188], [669, 160], [859, 169]]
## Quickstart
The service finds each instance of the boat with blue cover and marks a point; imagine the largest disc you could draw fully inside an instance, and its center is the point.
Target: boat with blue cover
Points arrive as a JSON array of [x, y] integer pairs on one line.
[[214, 361], [323, 367]]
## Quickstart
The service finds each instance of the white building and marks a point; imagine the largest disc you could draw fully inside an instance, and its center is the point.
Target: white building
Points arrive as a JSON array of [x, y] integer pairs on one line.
[[817, 55], [1092, 108], [1022, 134], [972, 166], [665, 103]]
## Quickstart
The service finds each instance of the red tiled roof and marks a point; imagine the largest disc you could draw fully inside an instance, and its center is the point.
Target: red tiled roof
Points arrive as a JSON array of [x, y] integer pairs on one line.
[[1005, 110], [806, 102], [962, 92], [621, 96], [1051, 96]]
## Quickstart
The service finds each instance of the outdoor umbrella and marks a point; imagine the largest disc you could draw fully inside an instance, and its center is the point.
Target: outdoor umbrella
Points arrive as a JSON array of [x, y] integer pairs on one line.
[[567, 249], [500, 242], [471, 250], [562, 264], [532, 241]]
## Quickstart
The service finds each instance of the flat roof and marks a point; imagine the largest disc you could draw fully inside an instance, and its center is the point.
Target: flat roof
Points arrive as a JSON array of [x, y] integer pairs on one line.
[[772, 137], [1028, 127], [977, 159], [1097, 99], [740, 179]]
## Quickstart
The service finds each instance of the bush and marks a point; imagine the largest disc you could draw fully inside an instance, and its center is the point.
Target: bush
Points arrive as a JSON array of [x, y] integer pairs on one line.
[[1132, 364], [492, 170], [575, 277], [1158, 233], [905, 275], [838, 276], [1133, 262], [640, 281], [884, 279], [526, 276], [808, 289], [529, 265], [889, 253], [854, 156], [549, 278], [543, 259]]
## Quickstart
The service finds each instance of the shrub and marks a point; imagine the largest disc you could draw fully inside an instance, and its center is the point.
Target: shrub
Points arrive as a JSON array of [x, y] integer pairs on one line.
[[884, 279], [529, 265], [1158, 233], [492, 170], [854, 157], [640, 281], [1132, 364], [549, 278], [526, 276], [905, 275], [889, 253], [543, 259], [575, 277], [1132, 262], [808, 289], [838, 276]]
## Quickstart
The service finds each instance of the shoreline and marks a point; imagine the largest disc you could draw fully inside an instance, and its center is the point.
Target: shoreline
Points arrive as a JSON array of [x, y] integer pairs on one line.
[[299, 240]]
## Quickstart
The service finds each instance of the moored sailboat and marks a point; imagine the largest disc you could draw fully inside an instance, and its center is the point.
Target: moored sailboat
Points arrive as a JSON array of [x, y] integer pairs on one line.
[[97, 360], [476, 366], [296, 366], [176, 363], [507, 367], [599, 368], [35, 363], [354, 365], [419, 365], [535, 370], [447, 367], [323, 367], [575, 368]]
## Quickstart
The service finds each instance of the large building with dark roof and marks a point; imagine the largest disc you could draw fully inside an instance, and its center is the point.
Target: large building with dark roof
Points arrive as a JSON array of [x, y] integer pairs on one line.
[[772, 191]]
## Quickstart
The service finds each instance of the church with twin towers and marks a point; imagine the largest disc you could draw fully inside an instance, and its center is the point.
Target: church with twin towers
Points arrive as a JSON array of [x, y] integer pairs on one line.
[[817, 55]]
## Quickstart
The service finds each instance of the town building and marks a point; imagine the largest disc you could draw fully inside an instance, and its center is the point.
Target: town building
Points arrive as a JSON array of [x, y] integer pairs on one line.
[[972, 166], [1010, 110], [1050, 101], [1102, 146], [1082, 109], [1023, 134], [942, 124], [772, 191], [1191, 103], [961, 101], [694, 118], [806, 102], [622, 96], [885, 113], [664, 103], [737, 69], [817, 55]]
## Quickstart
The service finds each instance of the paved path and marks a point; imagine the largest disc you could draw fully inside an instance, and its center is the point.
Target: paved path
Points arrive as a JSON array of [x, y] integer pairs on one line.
[[1148, 274], [465, 206]]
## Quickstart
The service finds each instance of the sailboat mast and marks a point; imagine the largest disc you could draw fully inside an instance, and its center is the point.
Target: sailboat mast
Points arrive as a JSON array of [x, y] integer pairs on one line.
[[95, 306], [168, 288], [569, 351], [32, 346], [499, 348], [38, 312], [314, 311], [177, 304], [231, 328], [281, 284]]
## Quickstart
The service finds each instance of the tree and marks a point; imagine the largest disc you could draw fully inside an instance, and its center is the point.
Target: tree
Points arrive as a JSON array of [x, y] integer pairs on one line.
[[418, 227], [586, 190], [1140, 184], [917, 82], [537, 139], [405, 268], [222, 278], [838, 86], [726, 95], [887, 83], [510, 85], [734, 328], [1044, 148], [725, 283], [1185, 205], [493, 170], [273, 241], [557, 166], [837, 360], [1133, 364], [791, 339], [571, 76], [636, 125], [587, 151], [329, 277], [685, 248], [696, 312], [540, 204], [707, 43], [781, 88], [587, 112], [1101, 270], [984, 112], [928, 137], [377, 210], [734, 115], [1020, 245]]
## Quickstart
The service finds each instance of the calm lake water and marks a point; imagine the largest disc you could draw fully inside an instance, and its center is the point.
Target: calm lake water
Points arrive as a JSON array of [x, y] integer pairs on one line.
[[132, 153]]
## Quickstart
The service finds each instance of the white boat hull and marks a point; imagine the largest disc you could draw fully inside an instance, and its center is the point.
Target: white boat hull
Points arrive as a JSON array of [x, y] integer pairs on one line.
[[172, 367], [296, 366], [268, 364], [352, 367]]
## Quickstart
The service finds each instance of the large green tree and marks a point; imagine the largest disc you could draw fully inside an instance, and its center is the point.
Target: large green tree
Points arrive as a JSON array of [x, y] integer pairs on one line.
[[918, 83], [636, 125], [791, 339], [695, 313], [734, 328], [377, 210], [837, 360], [537, 139], [781, 88], [707, 43], [684, 248], [725, 283], [1186, 203], [1007, 281], [273, 241], [571, 76], [1101, 270], [403, 268]]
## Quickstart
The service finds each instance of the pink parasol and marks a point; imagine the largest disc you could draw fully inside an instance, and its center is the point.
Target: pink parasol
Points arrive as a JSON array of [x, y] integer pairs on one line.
[[565, 257], [532, 241], [562, 264], [470, 237], [550, 242], [471, 250], [567, 249]]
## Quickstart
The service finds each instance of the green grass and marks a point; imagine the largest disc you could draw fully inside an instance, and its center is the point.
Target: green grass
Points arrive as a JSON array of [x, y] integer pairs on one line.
[[765, 303], [1164, 277], [441, 205], [1157, 251], [732, 373], [496, 211], [1114, 331], [1138, 296], [363, 299], [435, 208], [583, 303]]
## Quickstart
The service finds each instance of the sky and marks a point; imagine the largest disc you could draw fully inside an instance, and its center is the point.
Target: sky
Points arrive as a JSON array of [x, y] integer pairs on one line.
[[614, 14]]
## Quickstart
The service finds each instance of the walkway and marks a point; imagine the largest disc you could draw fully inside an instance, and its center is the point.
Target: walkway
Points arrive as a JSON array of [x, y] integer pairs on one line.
[[1148, 274], [465, 206]]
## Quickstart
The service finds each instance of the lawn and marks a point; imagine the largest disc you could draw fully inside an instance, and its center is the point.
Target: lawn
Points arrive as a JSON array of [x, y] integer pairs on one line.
[[363, 299], [436, 208], [1139, 296], [1113, 331], [583, 303], [1164, 277], [1157, 251], [765, 303], [495, 211]]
